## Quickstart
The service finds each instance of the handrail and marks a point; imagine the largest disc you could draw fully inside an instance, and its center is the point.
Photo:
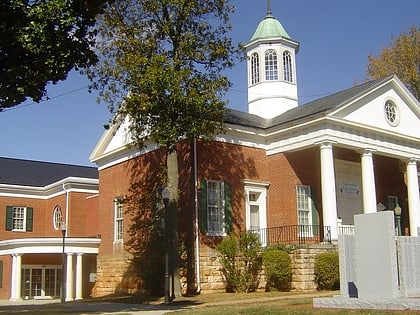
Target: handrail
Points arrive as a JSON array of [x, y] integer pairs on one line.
[[294, 234]]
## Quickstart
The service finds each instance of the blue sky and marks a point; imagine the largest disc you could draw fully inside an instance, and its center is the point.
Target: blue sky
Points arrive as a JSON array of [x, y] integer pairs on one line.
[[335, 38]]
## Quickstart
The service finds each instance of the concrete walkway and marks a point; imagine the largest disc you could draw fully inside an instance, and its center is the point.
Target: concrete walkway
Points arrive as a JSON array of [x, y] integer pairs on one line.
[[109, 308]]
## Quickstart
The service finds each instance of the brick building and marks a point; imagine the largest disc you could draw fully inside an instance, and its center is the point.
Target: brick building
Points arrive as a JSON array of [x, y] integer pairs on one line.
[[279, 165], [36, 198]]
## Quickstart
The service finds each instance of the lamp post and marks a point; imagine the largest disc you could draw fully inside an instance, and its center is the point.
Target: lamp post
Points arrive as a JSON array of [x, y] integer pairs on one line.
[[63, 262], [397, 211], [166, 194]]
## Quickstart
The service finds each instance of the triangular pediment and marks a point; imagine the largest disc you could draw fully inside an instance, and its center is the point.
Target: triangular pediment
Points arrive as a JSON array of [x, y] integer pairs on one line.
[[390, 108], [114, 140]]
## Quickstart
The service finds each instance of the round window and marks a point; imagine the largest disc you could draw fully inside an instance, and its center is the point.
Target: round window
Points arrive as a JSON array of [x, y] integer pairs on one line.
[[57, 217], [391, 113]]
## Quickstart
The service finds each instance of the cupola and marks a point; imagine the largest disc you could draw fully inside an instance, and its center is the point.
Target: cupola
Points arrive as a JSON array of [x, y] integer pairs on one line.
[[271, 69]]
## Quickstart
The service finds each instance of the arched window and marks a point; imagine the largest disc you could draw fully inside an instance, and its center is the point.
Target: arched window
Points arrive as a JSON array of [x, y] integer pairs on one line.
[[287, 67], [255, 68], [271, 68]]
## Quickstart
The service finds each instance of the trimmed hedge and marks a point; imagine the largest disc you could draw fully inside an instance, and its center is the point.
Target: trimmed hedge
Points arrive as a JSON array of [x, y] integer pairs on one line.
[[278, 270], [327, 271]]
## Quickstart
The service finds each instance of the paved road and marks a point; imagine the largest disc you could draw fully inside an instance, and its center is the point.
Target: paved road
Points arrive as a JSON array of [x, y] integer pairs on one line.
[[50, 307], [105, 308]]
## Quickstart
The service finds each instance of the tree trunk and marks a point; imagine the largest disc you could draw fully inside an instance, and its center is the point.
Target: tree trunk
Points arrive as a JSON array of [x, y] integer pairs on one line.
[[173, 243]]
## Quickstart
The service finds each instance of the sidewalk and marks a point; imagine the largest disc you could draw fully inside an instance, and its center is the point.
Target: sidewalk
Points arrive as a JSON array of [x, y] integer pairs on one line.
[[108, 308]]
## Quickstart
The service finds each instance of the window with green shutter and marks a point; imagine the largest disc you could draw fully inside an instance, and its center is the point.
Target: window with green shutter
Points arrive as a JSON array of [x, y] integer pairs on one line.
[[19, 219], [215, 208]]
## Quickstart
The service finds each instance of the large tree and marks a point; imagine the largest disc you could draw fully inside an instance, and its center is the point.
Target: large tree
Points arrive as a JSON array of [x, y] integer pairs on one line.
[[402, 58], [161, 65], [41, 41]]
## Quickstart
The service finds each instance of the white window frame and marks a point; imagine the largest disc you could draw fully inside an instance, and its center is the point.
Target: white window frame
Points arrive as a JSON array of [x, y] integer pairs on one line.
[[57, 217], [287, 66], [22, 220], [118, 220], [217, 203], [304, 206], [255, 68], [261, 189], [271, 65]]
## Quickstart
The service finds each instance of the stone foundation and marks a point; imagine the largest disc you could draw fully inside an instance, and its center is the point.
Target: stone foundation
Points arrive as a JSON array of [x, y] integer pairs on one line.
[[303, 263], [115, 275]]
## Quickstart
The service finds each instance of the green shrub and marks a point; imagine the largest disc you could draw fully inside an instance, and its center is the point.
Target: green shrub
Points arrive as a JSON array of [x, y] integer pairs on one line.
[[278, 270], [241, 261], [327, 271]]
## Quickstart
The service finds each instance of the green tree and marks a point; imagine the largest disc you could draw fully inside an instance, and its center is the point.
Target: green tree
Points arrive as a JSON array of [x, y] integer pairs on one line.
[[402, 58], [41, 41], [161, 65]]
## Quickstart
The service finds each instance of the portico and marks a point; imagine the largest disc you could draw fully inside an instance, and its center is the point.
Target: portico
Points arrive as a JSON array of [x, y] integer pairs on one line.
[[43, 280]]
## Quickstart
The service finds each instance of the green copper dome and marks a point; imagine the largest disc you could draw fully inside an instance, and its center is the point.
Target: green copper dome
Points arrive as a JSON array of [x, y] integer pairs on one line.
[[269, 28]]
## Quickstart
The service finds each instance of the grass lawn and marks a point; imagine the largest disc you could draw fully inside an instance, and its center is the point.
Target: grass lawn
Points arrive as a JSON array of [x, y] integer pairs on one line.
[[268, 303]]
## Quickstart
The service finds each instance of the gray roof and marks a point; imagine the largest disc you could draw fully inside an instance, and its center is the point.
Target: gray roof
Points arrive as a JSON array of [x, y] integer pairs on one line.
[[40, 174], [318, 107]]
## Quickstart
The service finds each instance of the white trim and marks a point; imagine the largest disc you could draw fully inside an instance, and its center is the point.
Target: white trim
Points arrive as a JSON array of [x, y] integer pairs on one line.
[[49, 245], [73, 184], [260, 188]]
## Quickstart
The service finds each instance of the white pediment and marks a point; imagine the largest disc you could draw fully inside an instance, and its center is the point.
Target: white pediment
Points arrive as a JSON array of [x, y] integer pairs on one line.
[[115, 139], [368, 110]]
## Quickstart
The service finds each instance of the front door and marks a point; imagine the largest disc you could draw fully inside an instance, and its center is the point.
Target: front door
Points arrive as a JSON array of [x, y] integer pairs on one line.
[[256, 219], [40, 282]]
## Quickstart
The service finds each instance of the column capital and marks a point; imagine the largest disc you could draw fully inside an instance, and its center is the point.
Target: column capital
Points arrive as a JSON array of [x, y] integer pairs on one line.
[[325, 143], [412, 160], [367, 151]]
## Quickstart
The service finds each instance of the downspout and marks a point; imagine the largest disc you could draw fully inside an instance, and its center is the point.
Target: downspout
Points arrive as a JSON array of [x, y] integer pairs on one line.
[[67, 207], [197, 231]]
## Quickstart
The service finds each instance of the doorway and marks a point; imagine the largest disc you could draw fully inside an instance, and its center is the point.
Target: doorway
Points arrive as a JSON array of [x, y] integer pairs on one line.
[[41, 282]]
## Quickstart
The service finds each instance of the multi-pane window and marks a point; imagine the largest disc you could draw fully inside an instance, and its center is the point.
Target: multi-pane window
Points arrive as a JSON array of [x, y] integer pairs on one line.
[[391, 113], [271, 66], [255, 68], [304, 205], [287, 67], [19, 218], [119, 214], [57, 217], [215, 208]]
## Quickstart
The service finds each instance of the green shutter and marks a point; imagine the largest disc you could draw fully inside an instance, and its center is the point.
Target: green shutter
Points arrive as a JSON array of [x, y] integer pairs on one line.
[[315, 213], [228, 208], [203, 206], [9, 218], [29, 219]]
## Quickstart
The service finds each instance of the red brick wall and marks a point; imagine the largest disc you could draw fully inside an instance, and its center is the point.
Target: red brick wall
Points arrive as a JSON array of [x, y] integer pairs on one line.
[[92, 216], [6, 285]]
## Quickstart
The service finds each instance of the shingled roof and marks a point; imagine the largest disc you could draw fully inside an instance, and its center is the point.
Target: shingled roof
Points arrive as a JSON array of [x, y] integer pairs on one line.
[[40, 174], [317, 107]]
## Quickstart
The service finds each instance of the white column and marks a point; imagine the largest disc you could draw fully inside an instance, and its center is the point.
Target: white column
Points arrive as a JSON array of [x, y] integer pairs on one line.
[[13, 280], [413, 197], [79, 273], [329, 202], [69, 278], [368, 182], [16, 277]]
